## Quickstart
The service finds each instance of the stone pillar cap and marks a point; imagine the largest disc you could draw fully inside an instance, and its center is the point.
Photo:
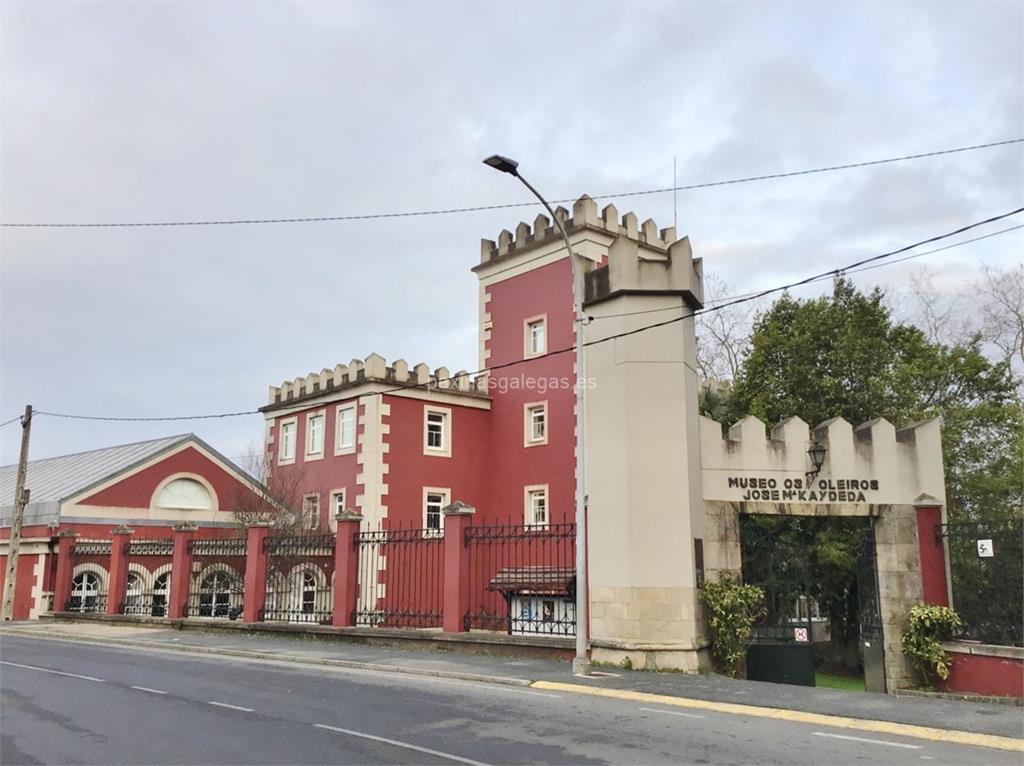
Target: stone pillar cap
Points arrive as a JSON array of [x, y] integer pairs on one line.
[[185, 526], [68, 533], [122, 529], [349, 514], [458, 508]]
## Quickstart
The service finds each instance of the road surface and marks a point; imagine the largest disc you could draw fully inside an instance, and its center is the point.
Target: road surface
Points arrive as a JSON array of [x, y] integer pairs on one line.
[[66, 703]]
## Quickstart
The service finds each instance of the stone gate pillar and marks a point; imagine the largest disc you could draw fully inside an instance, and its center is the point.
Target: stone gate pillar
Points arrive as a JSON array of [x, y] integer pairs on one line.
[[643, 457]]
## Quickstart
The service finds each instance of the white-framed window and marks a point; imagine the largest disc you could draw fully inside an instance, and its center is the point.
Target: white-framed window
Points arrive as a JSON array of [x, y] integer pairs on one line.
[[535, 335], [434, 499], [286, 450], [337, 501], [311, 511], [535, 423], [535, 499], [437, 431], [315, 435], [184, 493], [345, 430]]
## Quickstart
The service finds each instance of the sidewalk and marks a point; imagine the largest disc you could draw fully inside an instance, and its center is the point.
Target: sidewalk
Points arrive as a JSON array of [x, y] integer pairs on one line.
[[976, 717]]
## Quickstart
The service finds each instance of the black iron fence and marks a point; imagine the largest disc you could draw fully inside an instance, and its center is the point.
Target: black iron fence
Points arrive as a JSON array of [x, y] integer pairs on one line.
[[400, 578], [300, 569], [147, 587], [522, 579], [986, 562], [217, 580]]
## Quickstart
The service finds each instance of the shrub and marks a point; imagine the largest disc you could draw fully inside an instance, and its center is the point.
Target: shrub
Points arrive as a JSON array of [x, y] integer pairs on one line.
[[927, 628], [733, 609]]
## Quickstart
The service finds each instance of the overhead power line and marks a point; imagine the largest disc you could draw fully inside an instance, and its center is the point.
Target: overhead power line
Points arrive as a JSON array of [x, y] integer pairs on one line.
[[741, 299], [12, 420], [481, 208]]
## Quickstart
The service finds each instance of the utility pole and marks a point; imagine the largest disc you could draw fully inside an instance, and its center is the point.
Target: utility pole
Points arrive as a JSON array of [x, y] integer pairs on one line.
[[20, 501]]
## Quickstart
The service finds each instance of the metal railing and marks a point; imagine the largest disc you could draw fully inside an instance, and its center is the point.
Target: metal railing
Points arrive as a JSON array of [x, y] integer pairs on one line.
[[986, 562], [299, 579], [146, 603], [400, 578], [522, 579], [87, 603]]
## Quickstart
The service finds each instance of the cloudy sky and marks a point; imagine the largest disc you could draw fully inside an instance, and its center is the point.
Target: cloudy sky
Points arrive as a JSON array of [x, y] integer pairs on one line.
[[142, 111]]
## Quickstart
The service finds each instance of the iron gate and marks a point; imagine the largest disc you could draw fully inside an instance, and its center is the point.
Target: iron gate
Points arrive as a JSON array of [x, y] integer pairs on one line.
[[870, 614]]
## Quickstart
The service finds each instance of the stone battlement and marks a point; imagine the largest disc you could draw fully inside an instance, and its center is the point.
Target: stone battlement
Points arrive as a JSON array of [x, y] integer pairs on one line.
[[584, 215], [872, 463], [375, 369]]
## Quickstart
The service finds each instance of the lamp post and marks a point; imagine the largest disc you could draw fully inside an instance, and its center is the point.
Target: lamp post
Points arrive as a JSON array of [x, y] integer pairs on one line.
[[581, 662], [817, 455]]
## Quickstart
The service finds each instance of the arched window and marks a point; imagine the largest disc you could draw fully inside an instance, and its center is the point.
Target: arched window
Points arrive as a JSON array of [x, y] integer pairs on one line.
[[308, 592], [185, 493], [85, 593], [161, 587], [133, 593], [216, 596]]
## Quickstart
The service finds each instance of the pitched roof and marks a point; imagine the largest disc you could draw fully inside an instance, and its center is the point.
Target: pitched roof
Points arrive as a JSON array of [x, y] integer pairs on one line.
[[55, 478]]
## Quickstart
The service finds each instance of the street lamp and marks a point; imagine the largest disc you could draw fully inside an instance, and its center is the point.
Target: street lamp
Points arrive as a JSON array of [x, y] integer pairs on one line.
[[817, 455], [581, 662]]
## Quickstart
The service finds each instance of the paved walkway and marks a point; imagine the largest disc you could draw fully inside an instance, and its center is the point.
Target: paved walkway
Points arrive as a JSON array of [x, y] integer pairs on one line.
[[979, 717]]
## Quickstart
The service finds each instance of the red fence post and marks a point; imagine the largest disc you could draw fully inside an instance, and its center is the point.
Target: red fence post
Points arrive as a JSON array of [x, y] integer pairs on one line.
[[255, 572], [457, 517], [933, 555], [117, 582], [346, 568], [62, 585], [181, 569]]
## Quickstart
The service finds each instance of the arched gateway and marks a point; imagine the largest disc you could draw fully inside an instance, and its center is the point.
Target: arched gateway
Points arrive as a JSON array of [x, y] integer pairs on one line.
[[666, 489]]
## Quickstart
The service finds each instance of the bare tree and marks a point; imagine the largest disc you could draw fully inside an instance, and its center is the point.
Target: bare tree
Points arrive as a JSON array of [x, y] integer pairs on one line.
[[277, 496], [1002, 312], [723, 335], [942, 318]]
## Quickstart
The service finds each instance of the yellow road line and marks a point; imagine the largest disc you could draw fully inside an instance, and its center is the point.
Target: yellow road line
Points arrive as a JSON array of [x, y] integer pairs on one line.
[[818, 719]]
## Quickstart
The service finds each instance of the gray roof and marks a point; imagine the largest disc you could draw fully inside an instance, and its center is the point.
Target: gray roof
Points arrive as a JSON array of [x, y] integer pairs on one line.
[[56, 478]]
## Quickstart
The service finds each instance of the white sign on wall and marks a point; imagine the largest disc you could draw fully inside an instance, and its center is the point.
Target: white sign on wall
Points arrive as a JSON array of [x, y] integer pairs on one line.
[[985, 549]]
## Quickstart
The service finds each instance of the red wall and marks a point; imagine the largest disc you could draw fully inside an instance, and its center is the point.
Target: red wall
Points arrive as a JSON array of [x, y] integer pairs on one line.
[[933, 558], [136, 490], [327, 474], [545, 290], [25, 581], [982, 674], [465, 472]]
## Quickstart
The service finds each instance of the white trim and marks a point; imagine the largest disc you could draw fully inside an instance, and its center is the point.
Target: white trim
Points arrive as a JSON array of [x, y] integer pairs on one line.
[[37, 594], [350, 449], [445, 450], [214, 499], [332, 508], [218, 566], [308, 454], [528, 440], [96, 569], [446, 494], [528, 322], [375, 388], [294, 422], [528, 519]]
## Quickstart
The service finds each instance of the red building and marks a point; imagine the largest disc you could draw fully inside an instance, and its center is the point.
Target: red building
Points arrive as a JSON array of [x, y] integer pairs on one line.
[[150, 485], [399, 442]]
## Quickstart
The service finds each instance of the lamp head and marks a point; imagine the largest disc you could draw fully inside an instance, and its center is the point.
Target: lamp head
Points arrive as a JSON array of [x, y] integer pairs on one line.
[[817, 455], [504, 164]]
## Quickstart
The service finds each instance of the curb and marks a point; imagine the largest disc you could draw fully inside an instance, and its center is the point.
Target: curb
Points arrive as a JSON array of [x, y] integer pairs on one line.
[[255, 655], [950, 736]]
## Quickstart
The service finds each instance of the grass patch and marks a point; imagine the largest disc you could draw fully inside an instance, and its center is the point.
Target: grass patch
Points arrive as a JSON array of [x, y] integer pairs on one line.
[[846, 683]]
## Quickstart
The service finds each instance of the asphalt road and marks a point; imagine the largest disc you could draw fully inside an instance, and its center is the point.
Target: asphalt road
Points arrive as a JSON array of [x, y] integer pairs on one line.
[[63, 703]]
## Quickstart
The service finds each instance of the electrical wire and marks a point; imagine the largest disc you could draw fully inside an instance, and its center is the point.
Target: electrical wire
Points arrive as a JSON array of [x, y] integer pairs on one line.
[[480, 208], [742, 299], [12, 420]]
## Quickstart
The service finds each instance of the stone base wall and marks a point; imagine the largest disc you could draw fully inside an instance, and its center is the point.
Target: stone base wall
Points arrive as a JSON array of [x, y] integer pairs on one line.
[[679, 660]]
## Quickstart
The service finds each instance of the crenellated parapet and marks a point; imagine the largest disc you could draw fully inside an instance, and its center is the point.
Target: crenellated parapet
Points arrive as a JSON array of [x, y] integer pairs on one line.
[[874, 463], [375, 369], [585, 215]]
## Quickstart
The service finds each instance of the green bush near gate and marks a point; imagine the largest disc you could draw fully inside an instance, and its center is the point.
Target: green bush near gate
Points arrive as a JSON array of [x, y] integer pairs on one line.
[[927, 628], [733, 608]]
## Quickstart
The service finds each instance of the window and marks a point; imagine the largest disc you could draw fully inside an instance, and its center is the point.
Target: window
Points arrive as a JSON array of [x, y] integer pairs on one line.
[[437, 436], [337, 501], [85, 593], [308, 592], [161, 587], [184, 493], [287, 450], [535, 341], [537, 506], [315, 435], [535, 424], [219, 596], [434, 500], [134, 586], [345, 430], [311, 511]]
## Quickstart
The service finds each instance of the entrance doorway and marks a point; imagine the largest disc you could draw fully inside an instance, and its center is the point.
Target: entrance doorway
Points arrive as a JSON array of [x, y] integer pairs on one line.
[[822, 625]]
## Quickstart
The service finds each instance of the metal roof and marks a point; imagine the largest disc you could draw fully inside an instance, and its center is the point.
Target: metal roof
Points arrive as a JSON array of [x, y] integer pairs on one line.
[[57, 478]]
